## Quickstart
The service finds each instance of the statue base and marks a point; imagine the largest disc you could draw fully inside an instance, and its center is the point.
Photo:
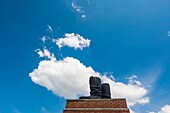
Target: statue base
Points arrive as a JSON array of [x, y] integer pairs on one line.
[[118, 105]]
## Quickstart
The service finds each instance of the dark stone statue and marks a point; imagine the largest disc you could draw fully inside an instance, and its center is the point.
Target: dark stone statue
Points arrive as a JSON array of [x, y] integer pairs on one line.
[[98, 90]]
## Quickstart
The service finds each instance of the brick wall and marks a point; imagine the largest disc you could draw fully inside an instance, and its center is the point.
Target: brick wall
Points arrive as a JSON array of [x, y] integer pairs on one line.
[[97, 111], [96, 106]]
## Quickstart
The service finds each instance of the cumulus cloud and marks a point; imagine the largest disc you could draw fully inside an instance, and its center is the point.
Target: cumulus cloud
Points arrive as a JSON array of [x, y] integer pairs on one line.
[[72, 40], [165, 109], [133, 93], [69, 78]]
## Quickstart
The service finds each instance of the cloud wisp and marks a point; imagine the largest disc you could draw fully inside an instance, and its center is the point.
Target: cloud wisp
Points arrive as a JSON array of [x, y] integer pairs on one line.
[[44, 39], [75, 6], [72, 40], [49, 29], [168, 33], [46, 53], [14, 109], [78, 8], [164, 109]]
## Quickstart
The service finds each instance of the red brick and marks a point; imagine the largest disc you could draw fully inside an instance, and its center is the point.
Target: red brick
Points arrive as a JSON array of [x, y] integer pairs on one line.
[[96, 106]]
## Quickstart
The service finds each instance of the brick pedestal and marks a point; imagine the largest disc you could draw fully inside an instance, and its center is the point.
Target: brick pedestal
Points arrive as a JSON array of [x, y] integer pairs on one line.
[[96, 106]]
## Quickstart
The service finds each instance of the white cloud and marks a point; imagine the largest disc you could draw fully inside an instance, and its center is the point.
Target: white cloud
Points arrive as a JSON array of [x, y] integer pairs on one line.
[[131, 92], [83, 16], [69, 78], [152, 74], [131, 111], [168, 33], [144, 100], [75, 6], [49, 29], [78, 9], [44, 110], [165, 109], [45, 38], [46, 53], [132, 80], [72, 40]]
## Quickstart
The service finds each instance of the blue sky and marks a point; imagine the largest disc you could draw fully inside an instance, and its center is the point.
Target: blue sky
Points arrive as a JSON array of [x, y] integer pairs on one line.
[[126, 38]]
